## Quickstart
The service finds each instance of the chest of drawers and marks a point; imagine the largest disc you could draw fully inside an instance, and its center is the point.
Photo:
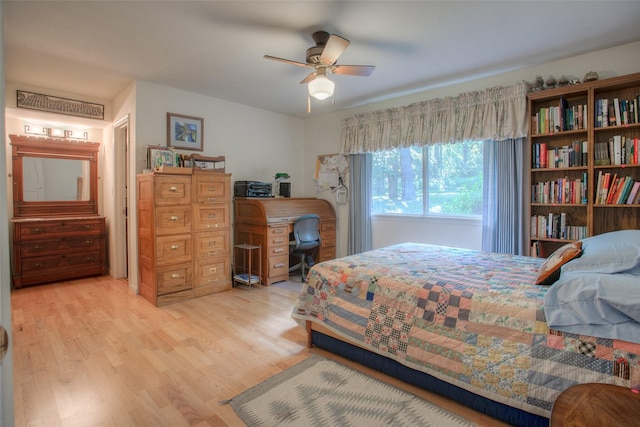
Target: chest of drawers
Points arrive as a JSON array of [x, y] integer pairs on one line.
[[184, 248], [53, 249]]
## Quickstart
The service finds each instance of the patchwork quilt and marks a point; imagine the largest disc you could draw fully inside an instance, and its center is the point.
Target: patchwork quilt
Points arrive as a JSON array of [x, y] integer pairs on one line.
[[470, 318]]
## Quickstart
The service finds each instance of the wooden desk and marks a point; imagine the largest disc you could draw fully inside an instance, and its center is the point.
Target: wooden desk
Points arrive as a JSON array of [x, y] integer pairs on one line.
[[268, 222], [586, 405]]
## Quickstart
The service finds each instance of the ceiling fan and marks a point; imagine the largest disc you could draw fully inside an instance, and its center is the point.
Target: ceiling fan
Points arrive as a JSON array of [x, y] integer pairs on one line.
[[323, 57]]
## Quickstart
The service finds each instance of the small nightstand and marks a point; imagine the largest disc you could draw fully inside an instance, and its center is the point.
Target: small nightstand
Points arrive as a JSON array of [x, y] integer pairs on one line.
[[244, 274], [596, 405]]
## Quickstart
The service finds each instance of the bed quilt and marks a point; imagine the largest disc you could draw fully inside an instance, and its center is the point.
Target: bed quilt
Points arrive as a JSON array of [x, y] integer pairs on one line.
[[470, 318]]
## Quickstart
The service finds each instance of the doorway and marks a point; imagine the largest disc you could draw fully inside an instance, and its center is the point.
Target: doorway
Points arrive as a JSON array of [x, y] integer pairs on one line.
[[121, 202]]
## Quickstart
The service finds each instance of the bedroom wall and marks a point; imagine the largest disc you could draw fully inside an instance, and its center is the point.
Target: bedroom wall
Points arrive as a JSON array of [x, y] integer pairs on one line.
[[323, 135]]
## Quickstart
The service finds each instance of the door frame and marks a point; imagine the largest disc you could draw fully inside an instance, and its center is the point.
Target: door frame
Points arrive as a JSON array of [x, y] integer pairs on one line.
[[120, 263]]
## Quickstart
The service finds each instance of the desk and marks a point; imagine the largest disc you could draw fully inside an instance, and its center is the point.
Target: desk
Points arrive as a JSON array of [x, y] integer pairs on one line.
[[268, 221]]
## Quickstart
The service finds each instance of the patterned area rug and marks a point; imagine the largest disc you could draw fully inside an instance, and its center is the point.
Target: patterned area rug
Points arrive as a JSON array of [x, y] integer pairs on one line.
[[321, 392]]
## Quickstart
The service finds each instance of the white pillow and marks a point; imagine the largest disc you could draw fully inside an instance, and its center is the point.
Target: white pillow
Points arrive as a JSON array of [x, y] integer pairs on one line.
[[614, 252]]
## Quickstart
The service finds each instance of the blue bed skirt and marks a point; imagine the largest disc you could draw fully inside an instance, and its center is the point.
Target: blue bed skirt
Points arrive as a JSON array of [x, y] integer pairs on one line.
[[500, 411]]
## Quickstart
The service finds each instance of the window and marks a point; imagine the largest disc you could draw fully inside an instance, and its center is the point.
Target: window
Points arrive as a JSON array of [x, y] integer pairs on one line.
[[442, 179]]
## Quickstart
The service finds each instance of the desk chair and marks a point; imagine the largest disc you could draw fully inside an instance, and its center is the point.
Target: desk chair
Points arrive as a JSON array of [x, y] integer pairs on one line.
[[305, 237]]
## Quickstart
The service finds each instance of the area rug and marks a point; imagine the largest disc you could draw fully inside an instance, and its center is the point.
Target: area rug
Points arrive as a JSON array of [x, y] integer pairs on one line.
[[321, 392]]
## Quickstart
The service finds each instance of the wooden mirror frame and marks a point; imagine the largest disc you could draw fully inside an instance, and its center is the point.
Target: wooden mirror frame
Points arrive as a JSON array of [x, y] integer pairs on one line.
[[24, 146]]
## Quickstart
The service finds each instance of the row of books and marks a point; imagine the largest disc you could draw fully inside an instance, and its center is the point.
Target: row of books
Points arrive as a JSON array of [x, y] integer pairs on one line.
[[563, 190], [617, 112], [618, 150], [612, 189], [554, 226], [572, 155], [559, 118]]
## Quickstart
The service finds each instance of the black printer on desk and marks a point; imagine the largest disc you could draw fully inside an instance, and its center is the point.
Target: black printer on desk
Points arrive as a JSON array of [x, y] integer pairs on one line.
[[252, 189]]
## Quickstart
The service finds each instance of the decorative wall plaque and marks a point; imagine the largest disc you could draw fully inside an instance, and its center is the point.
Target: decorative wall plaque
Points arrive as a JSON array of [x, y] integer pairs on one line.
[[53, 104]]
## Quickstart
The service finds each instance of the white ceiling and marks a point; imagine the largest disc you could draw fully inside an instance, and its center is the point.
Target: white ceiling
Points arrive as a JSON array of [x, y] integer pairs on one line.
[[216, 48]]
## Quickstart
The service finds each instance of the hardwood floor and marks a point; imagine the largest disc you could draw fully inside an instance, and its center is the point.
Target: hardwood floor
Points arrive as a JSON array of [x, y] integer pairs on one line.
[[90, 353]]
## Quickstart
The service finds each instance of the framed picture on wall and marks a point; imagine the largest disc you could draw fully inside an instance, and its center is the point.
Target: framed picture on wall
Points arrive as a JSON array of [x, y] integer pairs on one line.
[[185, 132]]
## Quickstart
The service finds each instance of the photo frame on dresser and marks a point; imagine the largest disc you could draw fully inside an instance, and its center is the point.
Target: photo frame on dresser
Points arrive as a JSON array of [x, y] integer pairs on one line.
[[185, 132]]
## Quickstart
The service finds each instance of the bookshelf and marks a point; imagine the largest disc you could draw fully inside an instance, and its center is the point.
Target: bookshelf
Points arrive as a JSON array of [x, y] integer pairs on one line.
[[584, 165]]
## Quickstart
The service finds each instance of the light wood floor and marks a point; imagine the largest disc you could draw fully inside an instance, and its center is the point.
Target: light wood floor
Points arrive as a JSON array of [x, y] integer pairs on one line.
[[90, 353]]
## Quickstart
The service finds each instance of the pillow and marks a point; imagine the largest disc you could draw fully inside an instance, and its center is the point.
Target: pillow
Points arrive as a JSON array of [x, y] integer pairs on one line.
[[595, 304], [550, 270], [614, 252]]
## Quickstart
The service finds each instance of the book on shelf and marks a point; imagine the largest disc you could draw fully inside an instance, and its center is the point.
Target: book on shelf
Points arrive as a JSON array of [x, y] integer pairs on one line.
[[618, 150], [246, 278], [560, 118], [633, 193], [624, 192], [618, 112], [555, 226], [615, 190], [562, 191]]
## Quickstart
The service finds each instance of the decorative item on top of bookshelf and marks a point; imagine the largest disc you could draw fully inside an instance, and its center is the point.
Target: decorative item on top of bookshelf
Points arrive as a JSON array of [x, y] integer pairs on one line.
[[185, 132]]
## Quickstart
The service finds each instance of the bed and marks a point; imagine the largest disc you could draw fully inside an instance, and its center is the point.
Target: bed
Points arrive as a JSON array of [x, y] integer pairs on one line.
[[503, 334]]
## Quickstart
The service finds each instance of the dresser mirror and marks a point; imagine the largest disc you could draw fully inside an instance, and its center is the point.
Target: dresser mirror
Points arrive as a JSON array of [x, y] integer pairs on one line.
[[53, 177]]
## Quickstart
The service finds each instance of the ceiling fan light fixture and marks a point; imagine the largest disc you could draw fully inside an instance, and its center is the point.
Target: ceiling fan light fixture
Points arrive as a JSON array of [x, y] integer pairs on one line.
[[321, 87]]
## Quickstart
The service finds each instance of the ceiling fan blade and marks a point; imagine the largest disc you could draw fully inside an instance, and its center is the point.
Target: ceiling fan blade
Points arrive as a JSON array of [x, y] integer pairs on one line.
[[353, 70], [309, 78], [287, 61], [333, 49]]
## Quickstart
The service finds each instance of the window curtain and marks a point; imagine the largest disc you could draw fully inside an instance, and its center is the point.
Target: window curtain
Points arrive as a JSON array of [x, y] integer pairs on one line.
[[497, 113], [504, 204], [360, 199]]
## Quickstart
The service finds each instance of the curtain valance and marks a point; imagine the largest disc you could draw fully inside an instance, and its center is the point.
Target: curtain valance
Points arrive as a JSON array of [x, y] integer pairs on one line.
[[497, 113]]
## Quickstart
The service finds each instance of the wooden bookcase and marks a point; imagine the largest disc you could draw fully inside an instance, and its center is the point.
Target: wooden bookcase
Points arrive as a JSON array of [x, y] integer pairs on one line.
[[575, 207]]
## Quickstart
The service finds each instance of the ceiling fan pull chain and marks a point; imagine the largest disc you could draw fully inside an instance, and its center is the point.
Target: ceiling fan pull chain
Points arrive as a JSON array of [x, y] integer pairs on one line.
[[308, 103]]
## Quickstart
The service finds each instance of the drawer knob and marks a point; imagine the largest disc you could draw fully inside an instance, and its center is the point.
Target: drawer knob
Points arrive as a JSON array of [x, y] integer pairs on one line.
[[278, 240], [88, 259], [212, 216], [174, 247], [173, 189], [279, 265], [37, 230], [173, 218], [213, 270], [212, 188], [36, 248], [87, 227], [213, 253], [278, 250], [88, 242], [175, 276]]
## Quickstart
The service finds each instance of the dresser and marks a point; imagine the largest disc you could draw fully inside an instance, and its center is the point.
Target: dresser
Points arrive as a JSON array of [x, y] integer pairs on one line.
[[268, 221], [51, 249], [58, 233], [184, 237]]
